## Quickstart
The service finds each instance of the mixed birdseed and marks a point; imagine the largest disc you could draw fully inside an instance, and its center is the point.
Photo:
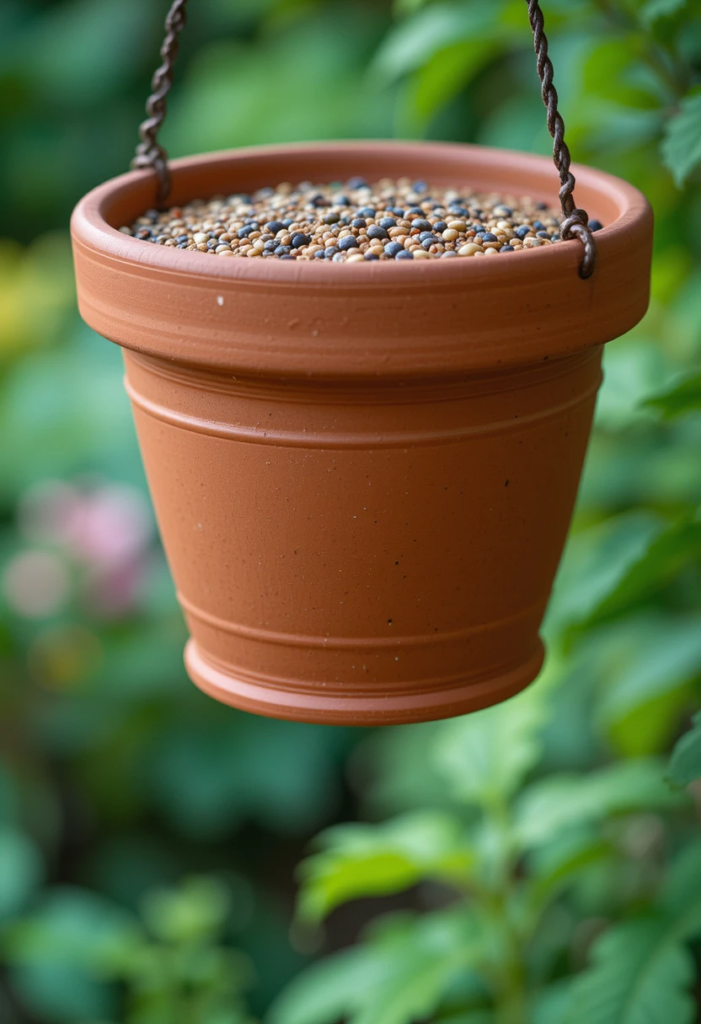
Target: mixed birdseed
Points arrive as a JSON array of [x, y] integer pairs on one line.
[[354, 221]]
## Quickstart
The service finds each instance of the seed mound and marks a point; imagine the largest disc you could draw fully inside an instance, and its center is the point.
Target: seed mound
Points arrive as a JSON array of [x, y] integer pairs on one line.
[[354, 221]]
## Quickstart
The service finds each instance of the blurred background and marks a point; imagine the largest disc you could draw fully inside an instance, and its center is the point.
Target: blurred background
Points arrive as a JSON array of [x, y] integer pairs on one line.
[[538, 862]]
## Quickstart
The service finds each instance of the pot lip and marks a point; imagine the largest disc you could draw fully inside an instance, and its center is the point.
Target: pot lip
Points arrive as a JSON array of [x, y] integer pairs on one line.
[[90, 226]]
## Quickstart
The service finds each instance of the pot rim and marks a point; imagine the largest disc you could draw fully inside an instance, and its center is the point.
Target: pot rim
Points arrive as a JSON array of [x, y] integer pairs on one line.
[[90, 219], [428, 317]]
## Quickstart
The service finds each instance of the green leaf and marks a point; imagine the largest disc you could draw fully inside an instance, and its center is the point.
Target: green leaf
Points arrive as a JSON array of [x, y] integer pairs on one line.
[[397, 977], [441, 78], [485, 756], [597, 560], [555, 866], [681, 147], [682, 882], [21, 869], [72, 927], [682, 398], [194, 912], [655, 9], [416, 39], [641, 971], [665, 654], [557, 803], [403, 8], [685, 765], [376, 860], [61, 958], [664, 558]]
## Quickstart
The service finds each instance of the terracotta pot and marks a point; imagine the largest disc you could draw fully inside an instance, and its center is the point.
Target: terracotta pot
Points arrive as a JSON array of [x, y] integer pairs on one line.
[[363, 474]]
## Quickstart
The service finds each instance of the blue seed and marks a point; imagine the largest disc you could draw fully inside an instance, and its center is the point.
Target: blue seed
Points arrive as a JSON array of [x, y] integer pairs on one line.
[[404, 255], [388, 222], [595, 225], [522, 231], [274, 226], [366, 211], [507, 248], [376, 231], [440, 225], [349, 242], [299, 240], [392, 248], [282, 250], [319, 254], [354, 183], [487, 236], [358, 223], [331, 251], [371, 256]]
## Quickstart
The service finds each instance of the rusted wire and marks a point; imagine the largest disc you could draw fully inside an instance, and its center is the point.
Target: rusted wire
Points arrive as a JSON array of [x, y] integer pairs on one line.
[[575, 221], [149, 153]]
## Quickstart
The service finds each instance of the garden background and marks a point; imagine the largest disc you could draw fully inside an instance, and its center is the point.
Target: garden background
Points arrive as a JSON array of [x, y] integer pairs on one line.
[[538, 863]]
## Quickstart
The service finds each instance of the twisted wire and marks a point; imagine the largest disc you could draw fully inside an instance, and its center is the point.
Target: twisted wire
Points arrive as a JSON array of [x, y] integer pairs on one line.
[[149, 153], [575, 221]]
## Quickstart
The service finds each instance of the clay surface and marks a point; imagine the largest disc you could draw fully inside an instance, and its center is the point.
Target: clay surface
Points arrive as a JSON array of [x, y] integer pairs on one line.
[[363, 475]]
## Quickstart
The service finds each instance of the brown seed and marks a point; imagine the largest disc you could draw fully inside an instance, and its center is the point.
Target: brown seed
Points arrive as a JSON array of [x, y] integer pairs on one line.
[[470, 250]]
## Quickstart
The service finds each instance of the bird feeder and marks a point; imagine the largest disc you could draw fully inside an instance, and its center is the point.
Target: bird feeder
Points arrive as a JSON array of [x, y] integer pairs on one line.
[[363, 474]]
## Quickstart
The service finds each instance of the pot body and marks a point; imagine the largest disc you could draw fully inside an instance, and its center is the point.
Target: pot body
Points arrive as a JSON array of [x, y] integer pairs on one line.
[[363, 474], [366, 552]]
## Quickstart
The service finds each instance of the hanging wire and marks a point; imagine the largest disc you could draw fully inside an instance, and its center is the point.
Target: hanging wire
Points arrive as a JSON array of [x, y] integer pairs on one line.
[[575, 221], [149, 153]]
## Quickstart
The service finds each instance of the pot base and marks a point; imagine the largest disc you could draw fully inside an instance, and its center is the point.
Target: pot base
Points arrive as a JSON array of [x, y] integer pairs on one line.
[[302, 705]]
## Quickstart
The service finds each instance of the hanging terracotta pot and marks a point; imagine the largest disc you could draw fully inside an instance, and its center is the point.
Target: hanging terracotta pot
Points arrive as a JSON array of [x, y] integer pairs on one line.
[[363, 474]]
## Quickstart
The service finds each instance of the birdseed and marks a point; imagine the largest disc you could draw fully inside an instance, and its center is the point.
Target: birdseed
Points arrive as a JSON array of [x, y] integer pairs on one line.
[[353, 222]]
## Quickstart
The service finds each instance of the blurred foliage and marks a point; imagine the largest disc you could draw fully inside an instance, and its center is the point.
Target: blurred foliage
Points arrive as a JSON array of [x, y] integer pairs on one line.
[[541, 860]]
